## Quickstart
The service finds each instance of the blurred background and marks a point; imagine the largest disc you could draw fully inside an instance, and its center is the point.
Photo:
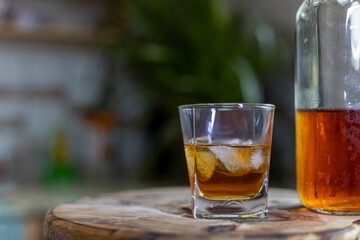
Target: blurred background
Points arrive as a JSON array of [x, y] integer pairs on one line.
[[89, 93]]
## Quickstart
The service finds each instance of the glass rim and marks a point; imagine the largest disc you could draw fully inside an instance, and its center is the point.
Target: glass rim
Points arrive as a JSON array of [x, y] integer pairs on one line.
[[228, 105]]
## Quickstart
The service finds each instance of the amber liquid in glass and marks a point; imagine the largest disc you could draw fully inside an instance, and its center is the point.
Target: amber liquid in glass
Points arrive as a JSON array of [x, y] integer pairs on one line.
[[227, 171], [328, 159]]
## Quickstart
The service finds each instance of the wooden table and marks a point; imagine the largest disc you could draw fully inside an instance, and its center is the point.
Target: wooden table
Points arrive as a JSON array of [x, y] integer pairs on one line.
[[164, 213]]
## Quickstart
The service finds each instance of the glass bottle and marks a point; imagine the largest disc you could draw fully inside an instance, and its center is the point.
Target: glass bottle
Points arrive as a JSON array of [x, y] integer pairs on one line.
[[327, 104]]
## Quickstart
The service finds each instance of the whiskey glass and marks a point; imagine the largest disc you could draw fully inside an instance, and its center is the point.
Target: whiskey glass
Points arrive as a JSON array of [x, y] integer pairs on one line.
[[227, 148]]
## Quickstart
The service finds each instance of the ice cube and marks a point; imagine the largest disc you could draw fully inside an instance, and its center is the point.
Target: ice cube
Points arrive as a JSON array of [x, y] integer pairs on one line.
[[232, 159], [205, 164], [248, 142], [230, 141], [257, 159], [233, 141], [203, 139], [236, 142]]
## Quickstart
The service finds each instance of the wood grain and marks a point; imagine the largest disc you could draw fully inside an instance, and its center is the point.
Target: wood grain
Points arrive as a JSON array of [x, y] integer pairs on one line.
[[164, 213]]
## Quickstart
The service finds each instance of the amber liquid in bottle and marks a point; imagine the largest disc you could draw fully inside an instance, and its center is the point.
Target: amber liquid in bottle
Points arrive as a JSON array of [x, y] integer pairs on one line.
[[227, 172], [328, 159]]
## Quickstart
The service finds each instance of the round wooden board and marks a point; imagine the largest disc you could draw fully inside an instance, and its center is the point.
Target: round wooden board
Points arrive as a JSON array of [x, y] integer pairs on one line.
[[164, 213]]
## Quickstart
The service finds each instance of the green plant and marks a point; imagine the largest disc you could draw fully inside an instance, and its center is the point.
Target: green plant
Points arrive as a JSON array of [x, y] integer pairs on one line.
[[187, 51]]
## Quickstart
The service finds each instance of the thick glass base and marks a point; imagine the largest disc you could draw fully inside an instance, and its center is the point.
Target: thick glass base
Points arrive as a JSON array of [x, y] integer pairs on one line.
[[254, 207], [334, 212]]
